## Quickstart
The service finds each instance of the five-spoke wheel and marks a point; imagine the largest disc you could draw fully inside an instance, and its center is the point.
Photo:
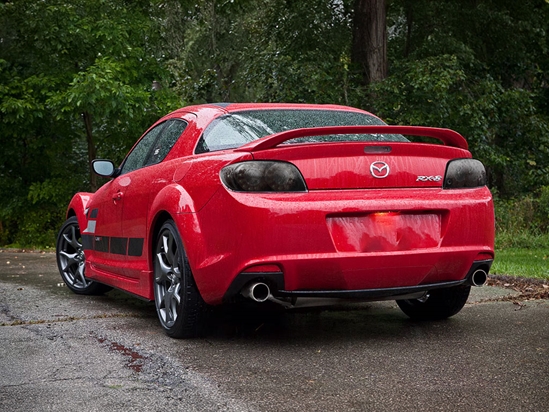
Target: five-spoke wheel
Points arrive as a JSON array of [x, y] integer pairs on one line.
[[178, 303], [71, 260]]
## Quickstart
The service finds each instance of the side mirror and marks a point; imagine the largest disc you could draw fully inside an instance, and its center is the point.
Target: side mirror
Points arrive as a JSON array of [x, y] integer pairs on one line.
[[104, 168]]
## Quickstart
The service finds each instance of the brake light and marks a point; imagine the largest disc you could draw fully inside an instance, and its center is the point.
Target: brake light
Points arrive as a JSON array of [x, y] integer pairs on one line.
[[263, 176], [462, 173]]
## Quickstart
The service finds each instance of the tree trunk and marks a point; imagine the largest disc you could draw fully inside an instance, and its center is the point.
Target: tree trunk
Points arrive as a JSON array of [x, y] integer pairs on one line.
[[86, 116], [369, 48], [409, 24]]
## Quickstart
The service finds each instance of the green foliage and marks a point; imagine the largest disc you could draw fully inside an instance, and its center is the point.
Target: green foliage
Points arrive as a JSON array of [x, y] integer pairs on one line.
[[272, 51], [104, 87], [76, 82], [204, 40], [300, 52], [530, 262], [479, 68], [523, 222]]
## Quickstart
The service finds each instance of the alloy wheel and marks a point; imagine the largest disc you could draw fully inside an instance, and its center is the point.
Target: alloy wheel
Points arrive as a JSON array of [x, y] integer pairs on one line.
[[167, 278], [70, 255]]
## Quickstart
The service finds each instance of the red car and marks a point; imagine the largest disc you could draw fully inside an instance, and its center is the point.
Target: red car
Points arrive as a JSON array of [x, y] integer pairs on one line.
[[221, 202]]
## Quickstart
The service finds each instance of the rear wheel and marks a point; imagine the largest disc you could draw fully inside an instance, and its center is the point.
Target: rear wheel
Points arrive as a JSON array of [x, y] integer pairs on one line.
[[437, 304], [178, 302], [71, 260]]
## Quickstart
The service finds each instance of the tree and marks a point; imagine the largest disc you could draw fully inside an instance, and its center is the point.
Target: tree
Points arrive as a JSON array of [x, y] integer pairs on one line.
[[75, 82], [369, 47], [270, 50], [480, 67], [204, 42], [76, 79]]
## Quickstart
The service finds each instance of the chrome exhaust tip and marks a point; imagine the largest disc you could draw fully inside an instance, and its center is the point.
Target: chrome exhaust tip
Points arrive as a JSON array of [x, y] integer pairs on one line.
[[479, 277], [259, 291]]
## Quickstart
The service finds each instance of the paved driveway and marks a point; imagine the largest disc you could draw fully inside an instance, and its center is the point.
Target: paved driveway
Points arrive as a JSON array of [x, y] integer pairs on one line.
[[63, 352]]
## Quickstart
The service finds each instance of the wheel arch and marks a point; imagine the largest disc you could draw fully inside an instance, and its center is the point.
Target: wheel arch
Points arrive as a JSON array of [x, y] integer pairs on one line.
[[159, 219], [77, 207], [171, 201], [174, 203]]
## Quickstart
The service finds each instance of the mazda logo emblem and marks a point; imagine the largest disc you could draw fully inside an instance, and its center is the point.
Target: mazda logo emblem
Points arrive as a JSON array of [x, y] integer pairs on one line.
[[379, 170]]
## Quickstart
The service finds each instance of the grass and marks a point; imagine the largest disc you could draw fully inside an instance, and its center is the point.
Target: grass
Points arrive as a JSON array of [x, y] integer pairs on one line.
[[523, 262]]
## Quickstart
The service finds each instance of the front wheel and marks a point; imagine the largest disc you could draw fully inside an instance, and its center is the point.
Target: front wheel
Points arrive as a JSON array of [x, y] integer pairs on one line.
[[178, 302], [437, 304], [71, 261]]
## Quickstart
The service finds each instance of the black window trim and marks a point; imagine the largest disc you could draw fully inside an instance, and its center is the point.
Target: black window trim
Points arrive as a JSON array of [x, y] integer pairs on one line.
[[151, 149]]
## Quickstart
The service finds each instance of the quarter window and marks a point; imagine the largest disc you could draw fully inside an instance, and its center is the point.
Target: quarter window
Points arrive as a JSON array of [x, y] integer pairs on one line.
[[165, 141], [154, 146]]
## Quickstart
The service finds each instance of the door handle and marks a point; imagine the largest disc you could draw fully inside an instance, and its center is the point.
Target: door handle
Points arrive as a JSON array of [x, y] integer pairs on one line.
[[117, 197]]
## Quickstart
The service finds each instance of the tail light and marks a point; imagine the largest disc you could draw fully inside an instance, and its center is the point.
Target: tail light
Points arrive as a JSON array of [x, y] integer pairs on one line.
[[263, 176], [463, 173]]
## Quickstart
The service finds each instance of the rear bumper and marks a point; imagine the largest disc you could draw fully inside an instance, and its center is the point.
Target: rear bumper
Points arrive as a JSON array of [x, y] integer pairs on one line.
[[275, 282], [236, 235]]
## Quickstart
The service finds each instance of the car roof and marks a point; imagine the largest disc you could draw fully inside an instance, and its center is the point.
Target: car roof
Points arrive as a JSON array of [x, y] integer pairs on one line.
[[216, 109]]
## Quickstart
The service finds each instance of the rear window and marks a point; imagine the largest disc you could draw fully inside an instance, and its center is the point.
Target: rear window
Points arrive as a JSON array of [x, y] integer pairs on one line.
[[236, 129]]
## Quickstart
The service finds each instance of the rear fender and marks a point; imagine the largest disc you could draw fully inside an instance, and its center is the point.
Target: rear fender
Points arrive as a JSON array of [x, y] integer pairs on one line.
[[172, 201]]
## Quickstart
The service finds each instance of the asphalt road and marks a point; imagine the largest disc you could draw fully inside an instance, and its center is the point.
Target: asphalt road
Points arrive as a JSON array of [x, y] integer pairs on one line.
[[63, 352]]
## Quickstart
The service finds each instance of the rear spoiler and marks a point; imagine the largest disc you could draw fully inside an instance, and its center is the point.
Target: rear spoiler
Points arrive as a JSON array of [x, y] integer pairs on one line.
[[447, 136]]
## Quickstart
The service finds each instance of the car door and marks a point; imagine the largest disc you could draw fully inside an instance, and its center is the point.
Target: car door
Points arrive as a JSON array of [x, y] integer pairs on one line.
[[106, 219], [145, 175], [104, 216]]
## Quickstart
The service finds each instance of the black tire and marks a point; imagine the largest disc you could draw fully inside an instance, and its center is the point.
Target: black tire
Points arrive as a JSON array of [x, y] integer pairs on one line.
[[438, 304], [71, 261], [180, 307]]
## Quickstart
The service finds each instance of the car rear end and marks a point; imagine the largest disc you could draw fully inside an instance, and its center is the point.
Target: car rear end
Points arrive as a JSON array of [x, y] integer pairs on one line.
[[372, 220]]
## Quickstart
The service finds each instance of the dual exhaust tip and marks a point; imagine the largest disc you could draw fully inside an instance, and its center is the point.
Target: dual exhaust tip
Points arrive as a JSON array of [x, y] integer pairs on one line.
[[260, 291]]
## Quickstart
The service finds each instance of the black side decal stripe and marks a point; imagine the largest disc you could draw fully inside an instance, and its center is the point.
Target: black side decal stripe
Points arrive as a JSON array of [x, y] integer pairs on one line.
[[87, 242], [132, 246], [101, 243], [135, 246], [118, 245]]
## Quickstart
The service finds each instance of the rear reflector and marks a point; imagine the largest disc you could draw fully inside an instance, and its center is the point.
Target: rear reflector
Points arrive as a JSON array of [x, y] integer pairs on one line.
[[263, 269]]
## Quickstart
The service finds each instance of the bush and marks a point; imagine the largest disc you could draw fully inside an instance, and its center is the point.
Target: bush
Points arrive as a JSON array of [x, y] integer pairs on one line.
[[33, 221], [523, 222], [39, 228]]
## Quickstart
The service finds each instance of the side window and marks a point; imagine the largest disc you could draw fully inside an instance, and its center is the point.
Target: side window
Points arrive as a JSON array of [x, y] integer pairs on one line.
[[165, 142], [154, 146], [136, 158]]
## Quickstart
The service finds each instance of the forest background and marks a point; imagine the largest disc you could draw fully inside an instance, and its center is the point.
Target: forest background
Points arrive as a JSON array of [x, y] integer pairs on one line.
[[83, 79]]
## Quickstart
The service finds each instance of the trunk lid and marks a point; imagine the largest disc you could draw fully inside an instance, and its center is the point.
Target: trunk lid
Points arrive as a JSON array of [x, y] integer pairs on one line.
[[367, 165], [363, 157]]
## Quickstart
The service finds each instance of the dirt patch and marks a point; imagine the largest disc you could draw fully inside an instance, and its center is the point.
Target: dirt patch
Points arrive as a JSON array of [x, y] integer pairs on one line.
[[529, 289]]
